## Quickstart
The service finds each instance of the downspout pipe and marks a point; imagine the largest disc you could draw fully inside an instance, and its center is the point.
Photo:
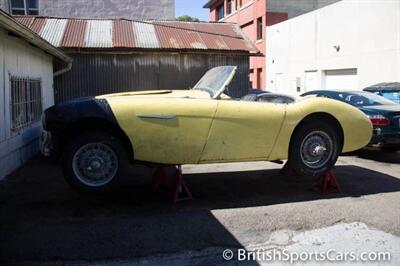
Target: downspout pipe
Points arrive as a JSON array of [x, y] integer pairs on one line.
[[63, 70]]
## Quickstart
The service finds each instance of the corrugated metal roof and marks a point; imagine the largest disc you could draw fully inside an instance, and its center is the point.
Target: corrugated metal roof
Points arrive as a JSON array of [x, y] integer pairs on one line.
[[53, 31], [99, 34], [22, 30], [35, 24], [26, 21], [170, 36], [121, 33], [145, 35], [74, 35], [212, 40]]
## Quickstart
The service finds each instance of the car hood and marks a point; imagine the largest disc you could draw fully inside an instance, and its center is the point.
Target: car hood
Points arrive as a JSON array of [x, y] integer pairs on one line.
[[196, 94]]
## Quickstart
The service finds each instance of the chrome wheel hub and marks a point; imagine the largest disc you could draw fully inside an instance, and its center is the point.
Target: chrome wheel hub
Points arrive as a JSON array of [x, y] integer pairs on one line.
[[95, 164], [316, 149]]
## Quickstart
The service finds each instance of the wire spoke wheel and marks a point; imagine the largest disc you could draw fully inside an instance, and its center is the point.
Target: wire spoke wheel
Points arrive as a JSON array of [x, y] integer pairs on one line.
[[316, 149], [95, 164]]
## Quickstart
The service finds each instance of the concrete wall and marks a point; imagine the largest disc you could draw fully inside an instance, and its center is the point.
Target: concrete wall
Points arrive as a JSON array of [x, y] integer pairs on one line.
[[4, 5], [17, 58], [296, 8], [132, 9], [351, 34]]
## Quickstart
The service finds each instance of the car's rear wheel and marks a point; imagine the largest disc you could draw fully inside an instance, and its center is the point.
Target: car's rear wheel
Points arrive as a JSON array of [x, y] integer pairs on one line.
[[94, 161], [314, 148]]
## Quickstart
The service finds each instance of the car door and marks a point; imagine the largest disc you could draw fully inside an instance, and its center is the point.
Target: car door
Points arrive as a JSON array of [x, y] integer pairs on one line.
[[168, 131], [243, 131]]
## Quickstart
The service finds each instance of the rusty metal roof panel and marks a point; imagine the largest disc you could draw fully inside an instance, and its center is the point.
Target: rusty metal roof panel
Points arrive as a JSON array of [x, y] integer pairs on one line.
[[145, 35], [226, 29], [246, 43], [36, 24], [74, 35], [26, 21], [180, 35], [211, 37], [53, 31], [123, 34], [169, 36], [234, 43], [99, 34], [233, 38]]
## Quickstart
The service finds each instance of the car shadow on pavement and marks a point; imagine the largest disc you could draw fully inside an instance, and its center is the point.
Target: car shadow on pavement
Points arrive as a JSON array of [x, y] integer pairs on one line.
[[260, 188], [42, 219], [377, 155]]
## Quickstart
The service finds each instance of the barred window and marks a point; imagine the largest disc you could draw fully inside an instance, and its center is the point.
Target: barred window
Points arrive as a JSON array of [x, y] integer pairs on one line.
[[26, 102]]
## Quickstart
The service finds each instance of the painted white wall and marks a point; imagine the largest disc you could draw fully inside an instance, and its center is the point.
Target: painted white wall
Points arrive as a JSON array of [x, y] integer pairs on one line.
[[367, 31], [18, 58]]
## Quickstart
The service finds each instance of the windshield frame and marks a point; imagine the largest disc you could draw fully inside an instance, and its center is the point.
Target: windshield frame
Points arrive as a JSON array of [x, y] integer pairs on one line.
[[215, 94]]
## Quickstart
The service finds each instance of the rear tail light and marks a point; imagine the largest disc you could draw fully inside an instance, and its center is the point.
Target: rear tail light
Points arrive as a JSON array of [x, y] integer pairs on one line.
[[379, 120]]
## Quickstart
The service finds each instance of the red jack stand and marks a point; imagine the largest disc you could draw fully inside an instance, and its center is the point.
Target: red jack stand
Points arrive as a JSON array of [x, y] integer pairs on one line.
[[181, 190], [326, 183], [287, 170]]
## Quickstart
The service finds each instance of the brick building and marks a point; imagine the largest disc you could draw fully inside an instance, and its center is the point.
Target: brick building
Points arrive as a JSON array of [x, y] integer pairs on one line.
[[253, 16]]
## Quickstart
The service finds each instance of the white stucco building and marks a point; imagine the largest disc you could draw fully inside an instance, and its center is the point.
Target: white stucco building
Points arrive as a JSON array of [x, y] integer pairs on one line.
[[348, 45], [26, 89]]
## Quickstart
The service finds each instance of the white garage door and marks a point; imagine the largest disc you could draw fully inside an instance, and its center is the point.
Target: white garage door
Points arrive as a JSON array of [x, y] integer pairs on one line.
[[342, 79]]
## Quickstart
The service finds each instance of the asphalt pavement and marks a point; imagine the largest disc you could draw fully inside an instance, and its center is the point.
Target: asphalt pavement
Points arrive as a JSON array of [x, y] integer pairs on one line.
[[236, 206]]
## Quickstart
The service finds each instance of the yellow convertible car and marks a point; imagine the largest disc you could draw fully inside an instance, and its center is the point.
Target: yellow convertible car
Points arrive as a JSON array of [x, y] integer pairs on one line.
[[98, 137]]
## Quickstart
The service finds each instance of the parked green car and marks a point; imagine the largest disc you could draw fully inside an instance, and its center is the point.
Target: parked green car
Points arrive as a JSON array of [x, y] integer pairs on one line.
[[383, 113], [389, 90]]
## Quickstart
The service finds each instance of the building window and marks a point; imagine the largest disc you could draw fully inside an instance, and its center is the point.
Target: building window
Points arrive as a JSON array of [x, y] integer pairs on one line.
[[26, 102], [220, 12], [259, 28], [24, 7], [229, 7], [259, 77], [251, 79]]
